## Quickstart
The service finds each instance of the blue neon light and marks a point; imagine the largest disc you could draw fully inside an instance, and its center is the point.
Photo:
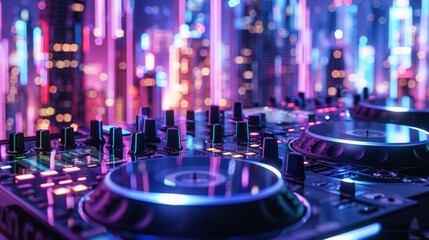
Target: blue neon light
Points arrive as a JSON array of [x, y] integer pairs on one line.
[[144, 41], [360, 233], [21, 51]]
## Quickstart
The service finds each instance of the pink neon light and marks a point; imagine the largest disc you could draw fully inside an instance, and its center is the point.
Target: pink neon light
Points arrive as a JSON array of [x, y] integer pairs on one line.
[[86, 39], [100, 10], [215, 51], [116, 25], [245, 177]]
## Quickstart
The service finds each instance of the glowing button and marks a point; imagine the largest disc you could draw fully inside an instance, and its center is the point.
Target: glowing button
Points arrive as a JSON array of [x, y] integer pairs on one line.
[[254, 145], [68, 181], [48, 173], [227, 153], [60, 191], [253, 134], [291, 130], [46, 185], [79, 188], [237, 156], [24, 177], [71, 169], [249, 153], [81, 179], [213, 150]]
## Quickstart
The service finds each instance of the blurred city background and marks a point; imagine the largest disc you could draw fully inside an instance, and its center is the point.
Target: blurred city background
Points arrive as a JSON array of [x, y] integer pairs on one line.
[[65, 62]]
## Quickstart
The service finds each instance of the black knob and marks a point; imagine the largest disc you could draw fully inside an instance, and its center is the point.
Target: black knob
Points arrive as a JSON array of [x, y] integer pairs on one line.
[[301, 96], [312, 117], [145, 111], [295, 166], [43, 140], [317, 103], [214, 115], [96, 138], [115, 138], [190, 115], [16, 143], [264, 135], [273, 102], [347, 188], [67, 138], [254, 121], [328, 100], [242, 132], [356, 99], [365, 93], [288, 99], [237, 111], [140, 123], [216, 134], [168, 120], [263, 119], [173, 139], [138, 144], [151, 131], [270, 149]]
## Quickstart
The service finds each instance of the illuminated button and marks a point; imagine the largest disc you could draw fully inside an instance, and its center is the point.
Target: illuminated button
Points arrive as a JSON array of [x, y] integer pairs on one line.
[[48, 173], [254, 145], [79, 188], [302, 128], [254, 134], [311, 124], [24, 177], [71, 169], [291, 130], [46, 185], [237, 156], [249, 153], [67, 181], [215, 150], [227, 153], [81, 179], [60, 191], [5, 167]]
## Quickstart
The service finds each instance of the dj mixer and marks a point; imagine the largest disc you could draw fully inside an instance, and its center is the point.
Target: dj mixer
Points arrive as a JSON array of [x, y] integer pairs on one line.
[[299, 170]]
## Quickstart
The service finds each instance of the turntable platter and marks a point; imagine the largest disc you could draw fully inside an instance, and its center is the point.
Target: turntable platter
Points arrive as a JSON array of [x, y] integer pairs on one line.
[[193, 197], [400, 111], [365, 143]]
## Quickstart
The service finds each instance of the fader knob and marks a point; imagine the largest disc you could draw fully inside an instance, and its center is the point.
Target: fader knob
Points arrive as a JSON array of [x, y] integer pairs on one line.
[[365, 93], [295, 166], [138, 144], [264, 135], [271, 149], [151, 131], [216, 134], [115, 138], [214, 115], [140, 123], [96, 138], [356, 99], [270, 152], [16, 143], [190, 115], [242, 132], [168, 120], [43, 140], [263, 119], [173, 139], [237, 111], [347, 188], [254, 121], [67, 138]]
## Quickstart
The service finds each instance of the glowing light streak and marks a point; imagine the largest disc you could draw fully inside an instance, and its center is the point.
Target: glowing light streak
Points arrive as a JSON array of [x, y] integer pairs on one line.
[[366, 65], [423, 43], [360, 233], [129, 58], [116, 21], [149, 60], [21, 51], [303, 47], [400, 40], [170, 90], [37, 46], [4, 85], [215, 51], [100, 10], [144, 42]]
